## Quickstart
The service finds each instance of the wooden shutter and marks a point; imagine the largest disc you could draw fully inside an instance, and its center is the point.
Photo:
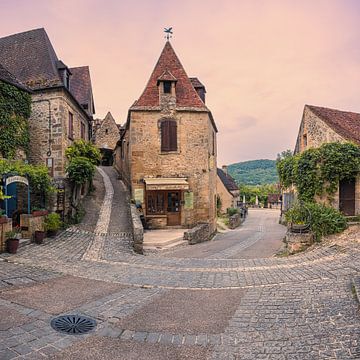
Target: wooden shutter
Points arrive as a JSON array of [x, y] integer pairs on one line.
[[173, 135], [168, 135]]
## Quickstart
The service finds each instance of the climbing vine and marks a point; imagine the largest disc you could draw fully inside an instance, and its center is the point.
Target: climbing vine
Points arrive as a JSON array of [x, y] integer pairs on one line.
[[318, 171], [15, 108]]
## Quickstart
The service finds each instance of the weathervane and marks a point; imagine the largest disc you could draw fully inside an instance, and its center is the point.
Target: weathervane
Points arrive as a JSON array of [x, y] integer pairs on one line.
[[168, 32]]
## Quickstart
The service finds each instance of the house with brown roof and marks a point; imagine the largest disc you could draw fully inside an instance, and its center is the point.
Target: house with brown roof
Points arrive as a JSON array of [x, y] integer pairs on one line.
[[227, 190], [167, 151], [106, 134], [321, 125], [62, 100]]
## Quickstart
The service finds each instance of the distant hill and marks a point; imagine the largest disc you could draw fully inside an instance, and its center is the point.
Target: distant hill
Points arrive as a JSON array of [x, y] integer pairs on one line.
[[254, 172]]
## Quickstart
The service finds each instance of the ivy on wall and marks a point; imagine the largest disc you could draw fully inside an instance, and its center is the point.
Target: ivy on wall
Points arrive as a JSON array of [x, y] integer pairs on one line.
[[318, 171], [15, 108]]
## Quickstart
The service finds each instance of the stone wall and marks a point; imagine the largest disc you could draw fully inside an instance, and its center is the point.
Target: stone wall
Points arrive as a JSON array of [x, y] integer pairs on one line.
[[198, 234], [225, 197], [193, 160], [5, 226], [138, 230], [298, 242], [58, 133], [234, 221], [107, 134], [29, 224]]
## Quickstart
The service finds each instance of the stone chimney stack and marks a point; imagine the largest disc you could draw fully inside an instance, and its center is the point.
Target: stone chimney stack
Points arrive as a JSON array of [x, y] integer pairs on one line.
[[225, 169]]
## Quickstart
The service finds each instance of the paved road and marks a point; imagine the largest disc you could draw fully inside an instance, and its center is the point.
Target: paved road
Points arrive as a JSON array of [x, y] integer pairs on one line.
[[259, 237], [219, 304]]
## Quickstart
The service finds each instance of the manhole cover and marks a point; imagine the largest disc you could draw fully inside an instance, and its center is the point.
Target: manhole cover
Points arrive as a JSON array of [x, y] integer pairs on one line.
[[73, 324]]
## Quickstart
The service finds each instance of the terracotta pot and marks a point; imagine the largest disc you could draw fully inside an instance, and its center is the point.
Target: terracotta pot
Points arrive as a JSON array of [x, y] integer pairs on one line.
[[39, 237], [39, 213], [3, 219], [12, 245]]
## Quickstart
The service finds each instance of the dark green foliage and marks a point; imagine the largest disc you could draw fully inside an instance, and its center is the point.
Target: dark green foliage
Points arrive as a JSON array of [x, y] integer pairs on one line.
[[84, 149], [255, 172], [80, 170], [52, 222], [232, 211], [324, 220], [261, 191], [318, 171], [15, 108], [40, 181]]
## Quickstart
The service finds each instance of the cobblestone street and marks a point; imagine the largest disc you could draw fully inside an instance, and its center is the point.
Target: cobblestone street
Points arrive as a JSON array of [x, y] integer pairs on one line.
[[225, 299]]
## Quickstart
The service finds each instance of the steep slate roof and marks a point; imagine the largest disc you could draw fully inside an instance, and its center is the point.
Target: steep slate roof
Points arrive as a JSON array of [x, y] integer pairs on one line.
[[31, 58], [9, 78], [186, 96], [227, 180], [345, 123], [80, 84]]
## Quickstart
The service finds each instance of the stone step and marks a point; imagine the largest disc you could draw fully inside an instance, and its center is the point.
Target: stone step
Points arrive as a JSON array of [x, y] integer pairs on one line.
[[171, 245], [162, 243]]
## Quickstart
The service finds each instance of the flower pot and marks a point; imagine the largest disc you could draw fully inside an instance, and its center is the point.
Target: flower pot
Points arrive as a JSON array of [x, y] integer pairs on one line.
[[52, 233], [12, 245], [39, 213], [39, 237]]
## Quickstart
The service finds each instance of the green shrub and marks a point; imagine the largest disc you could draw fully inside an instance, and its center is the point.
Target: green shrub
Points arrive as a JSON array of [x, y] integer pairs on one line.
[[232, 211], [80, 170], [83, 149], [324, 220], [52, 222]]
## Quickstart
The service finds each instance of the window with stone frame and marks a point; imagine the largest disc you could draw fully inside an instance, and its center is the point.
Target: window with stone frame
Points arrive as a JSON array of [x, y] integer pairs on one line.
[[168, 135], [167, 87], [71, 126]]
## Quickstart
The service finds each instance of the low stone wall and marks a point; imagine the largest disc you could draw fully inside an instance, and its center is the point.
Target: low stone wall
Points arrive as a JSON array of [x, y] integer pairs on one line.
[[30, 223], [198, 234], [235, 221], [138, 230], [298, 242], [5, 226]]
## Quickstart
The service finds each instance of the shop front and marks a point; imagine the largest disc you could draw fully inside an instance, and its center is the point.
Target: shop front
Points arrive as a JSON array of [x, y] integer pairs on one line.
[[164, 199]]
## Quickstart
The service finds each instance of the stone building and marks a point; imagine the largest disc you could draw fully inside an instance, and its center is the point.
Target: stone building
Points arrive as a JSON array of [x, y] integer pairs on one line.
[[227, 190], [321, 125], [167, 151], [62, 100], [106, 134]]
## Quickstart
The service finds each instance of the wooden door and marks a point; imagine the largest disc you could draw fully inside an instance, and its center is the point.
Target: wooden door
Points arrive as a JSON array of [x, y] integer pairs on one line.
[[347, 197], [173, 208]]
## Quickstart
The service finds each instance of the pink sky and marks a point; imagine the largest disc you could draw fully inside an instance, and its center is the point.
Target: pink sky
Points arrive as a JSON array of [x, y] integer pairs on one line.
[[260, 60]]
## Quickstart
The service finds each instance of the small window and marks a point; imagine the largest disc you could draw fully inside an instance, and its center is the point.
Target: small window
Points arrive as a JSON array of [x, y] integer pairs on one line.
[[85, 106], [50, 166], [305, 140], [168, 135], [106, 131], [82, 131], [167, 87], [213, 143], [71, 126]]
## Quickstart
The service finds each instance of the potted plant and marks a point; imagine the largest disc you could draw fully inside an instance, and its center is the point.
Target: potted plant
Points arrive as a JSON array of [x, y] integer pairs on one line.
[[12, 240], [39, 212], [52, 224]]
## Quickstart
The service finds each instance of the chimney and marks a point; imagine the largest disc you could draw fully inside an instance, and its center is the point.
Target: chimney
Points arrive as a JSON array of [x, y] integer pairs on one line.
[[225, 169]]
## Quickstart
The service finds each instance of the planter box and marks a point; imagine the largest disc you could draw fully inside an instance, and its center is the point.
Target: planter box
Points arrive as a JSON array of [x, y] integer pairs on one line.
[[39, 213]]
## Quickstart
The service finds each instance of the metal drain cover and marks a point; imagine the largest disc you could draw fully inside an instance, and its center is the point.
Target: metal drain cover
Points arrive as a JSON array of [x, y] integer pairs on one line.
[[73, 324]]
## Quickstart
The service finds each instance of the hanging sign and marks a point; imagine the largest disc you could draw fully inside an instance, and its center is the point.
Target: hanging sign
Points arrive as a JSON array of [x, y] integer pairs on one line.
[[16, 179]]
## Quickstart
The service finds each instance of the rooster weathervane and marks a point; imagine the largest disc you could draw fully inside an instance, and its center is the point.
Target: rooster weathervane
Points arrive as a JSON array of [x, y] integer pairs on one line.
[[168, 32]]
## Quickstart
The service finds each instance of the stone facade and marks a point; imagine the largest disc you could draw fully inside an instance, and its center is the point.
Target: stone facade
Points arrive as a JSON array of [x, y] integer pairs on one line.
[[50, 138], [191, 167], [106, 133], [316, 130]]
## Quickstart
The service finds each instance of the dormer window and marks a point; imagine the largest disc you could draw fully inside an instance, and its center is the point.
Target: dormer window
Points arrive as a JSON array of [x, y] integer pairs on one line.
[[167, 87], [67, 79]]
